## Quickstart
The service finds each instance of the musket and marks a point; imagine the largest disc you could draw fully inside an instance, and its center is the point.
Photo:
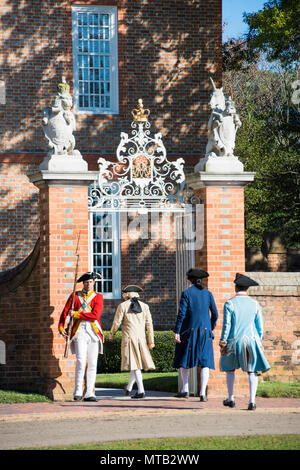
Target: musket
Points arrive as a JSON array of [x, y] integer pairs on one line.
[[70, 324]]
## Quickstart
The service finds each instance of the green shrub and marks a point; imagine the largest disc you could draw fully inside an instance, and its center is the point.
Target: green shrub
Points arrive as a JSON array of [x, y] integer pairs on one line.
[[162, 354]]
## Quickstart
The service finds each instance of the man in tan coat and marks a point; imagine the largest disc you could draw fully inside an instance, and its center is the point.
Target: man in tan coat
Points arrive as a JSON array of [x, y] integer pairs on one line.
[[135, 318]]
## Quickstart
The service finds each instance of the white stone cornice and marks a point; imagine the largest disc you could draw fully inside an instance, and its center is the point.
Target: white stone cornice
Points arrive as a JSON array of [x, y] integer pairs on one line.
[[71, 178], [204, 179]]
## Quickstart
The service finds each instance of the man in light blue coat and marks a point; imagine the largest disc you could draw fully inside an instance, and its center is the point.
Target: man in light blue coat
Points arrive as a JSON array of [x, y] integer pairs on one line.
[[241, 339]]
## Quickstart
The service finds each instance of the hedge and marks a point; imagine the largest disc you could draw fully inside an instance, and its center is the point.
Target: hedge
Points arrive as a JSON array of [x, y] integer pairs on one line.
[[162, 354]]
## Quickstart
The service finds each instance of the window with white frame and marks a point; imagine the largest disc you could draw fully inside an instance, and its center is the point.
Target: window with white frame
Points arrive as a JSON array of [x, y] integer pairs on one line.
[[105, 252], [95, 59]]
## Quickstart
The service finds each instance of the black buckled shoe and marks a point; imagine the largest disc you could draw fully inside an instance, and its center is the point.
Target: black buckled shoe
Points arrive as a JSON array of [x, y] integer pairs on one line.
[[90, 399], [126, 392], [230, 403], [252, 406], [139, 395], [182, 395], [77, 398], [203, 398]]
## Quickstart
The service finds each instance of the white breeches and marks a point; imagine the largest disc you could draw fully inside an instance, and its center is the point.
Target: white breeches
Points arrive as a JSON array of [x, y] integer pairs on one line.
[[87, 350]]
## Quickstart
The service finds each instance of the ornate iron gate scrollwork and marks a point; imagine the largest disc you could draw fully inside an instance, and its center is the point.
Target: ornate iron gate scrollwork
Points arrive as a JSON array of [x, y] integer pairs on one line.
[[143, 177]]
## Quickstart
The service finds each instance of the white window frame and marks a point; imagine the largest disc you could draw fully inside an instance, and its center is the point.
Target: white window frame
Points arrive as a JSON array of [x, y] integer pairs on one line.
[[114, 83], [116, 257]]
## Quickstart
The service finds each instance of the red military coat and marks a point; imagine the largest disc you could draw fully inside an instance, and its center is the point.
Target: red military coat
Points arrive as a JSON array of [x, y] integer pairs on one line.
[[88, 307]]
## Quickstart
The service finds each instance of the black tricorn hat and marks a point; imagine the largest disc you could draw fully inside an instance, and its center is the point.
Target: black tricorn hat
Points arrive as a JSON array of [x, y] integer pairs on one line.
[[89, 275], [244, 281], [132, 288], [196, 273]]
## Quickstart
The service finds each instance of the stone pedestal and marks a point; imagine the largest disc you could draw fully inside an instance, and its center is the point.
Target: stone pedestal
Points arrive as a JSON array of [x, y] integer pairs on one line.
[[63, 214], [220, 165], [63, 163], [223, 252]]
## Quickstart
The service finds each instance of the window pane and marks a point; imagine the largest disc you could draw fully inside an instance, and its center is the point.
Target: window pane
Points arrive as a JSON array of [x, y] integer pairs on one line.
[[104, 245], [92, 53]]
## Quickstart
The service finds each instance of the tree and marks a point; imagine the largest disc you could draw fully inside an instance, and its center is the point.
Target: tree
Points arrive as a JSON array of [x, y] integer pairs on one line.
[[237, 55], [267, 143], [275, 30], [267, 95]]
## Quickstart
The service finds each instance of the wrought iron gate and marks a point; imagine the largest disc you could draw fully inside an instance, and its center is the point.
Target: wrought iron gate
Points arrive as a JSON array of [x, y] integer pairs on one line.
[[185, 252], [144, 180]]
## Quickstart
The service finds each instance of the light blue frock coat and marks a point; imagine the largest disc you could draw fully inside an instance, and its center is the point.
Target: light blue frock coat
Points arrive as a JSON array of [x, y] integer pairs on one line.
[[243, 328]]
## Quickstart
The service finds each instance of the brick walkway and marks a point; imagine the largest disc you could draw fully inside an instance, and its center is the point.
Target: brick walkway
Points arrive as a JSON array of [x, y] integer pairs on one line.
[[115, 417], [112, 402]]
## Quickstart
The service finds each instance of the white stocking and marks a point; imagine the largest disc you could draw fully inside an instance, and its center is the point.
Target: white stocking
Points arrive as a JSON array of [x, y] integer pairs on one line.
[[253, 382], [230, 377], [185, 379], [131, 380], [139, 380], [204, 380]]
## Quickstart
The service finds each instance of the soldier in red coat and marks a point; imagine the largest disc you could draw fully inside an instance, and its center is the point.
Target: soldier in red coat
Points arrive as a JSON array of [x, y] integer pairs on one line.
[[86, 336]]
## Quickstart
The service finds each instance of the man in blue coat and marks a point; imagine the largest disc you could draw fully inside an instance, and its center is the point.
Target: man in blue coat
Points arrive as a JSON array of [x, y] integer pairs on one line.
[[241, 339], [193, 332]]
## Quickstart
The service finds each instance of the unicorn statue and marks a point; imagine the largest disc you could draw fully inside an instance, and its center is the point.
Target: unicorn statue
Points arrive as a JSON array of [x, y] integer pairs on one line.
[[222, 125]]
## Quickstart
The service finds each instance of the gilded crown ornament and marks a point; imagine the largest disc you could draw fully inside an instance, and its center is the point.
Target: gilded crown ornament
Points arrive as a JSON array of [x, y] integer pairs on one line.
[[140, 114], [63, 87]]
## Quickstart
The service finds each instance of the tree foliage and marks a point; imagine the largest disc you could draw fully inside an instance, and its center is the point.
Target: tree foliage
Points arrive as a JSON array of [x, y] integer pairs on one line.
[[275, 30], [268, 143], [262, 75]]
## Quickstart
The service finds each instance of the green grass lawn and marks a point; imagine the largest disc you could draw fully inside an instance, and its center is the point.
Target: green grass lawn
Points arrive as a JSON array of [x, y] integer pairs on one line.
[[11, 396], [263, 442], [159, 381], [278, 389], [167, 382]]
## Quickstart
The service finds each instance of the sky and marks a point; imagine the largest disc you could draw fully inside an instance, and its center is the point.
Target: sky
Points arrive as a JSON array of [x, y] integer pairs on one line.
[[233, 16]]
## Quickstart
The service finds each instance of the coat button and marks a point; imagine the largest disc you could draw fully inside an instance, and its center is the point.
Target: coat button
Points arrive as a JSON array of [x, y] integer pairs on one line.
[[192, 329]]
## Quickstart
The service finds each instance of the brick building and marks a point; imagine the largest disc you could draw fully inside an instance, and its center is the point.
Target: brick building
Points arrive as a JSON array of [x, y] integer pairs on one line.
[[112, 53]]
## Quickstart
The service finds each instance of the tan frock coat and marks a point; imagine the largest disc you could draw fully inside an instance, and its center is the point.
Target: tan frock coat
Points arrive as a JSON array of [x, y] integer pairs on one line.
[[134, 350]]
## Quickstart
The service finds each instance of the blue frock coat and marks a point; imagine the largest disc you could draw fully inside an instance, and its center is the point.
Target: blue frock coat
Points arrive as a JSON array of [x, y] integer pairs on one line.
[[243, 330], [195, 325]]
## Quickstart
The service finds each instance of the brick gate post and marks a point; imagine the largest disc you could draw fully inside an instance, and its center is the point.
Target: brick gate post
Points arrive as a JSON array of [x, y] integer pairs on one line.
[[63, 213], [223, 252]]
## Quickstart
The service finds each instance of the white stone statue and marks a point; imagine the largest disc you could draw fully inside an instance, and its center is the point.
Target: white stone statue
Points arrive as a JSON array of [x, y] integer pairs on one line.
[[59, 124], [222, 125]]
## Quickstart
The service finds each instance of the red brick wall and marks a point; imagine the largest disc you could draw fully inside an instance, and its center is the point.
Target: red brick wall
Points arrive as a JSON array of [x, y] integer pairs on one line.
[[167, 50], [151, 263], [63, 217], [279, 297], [166, 54], [222, 256], [19, 213], [20, 331]]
